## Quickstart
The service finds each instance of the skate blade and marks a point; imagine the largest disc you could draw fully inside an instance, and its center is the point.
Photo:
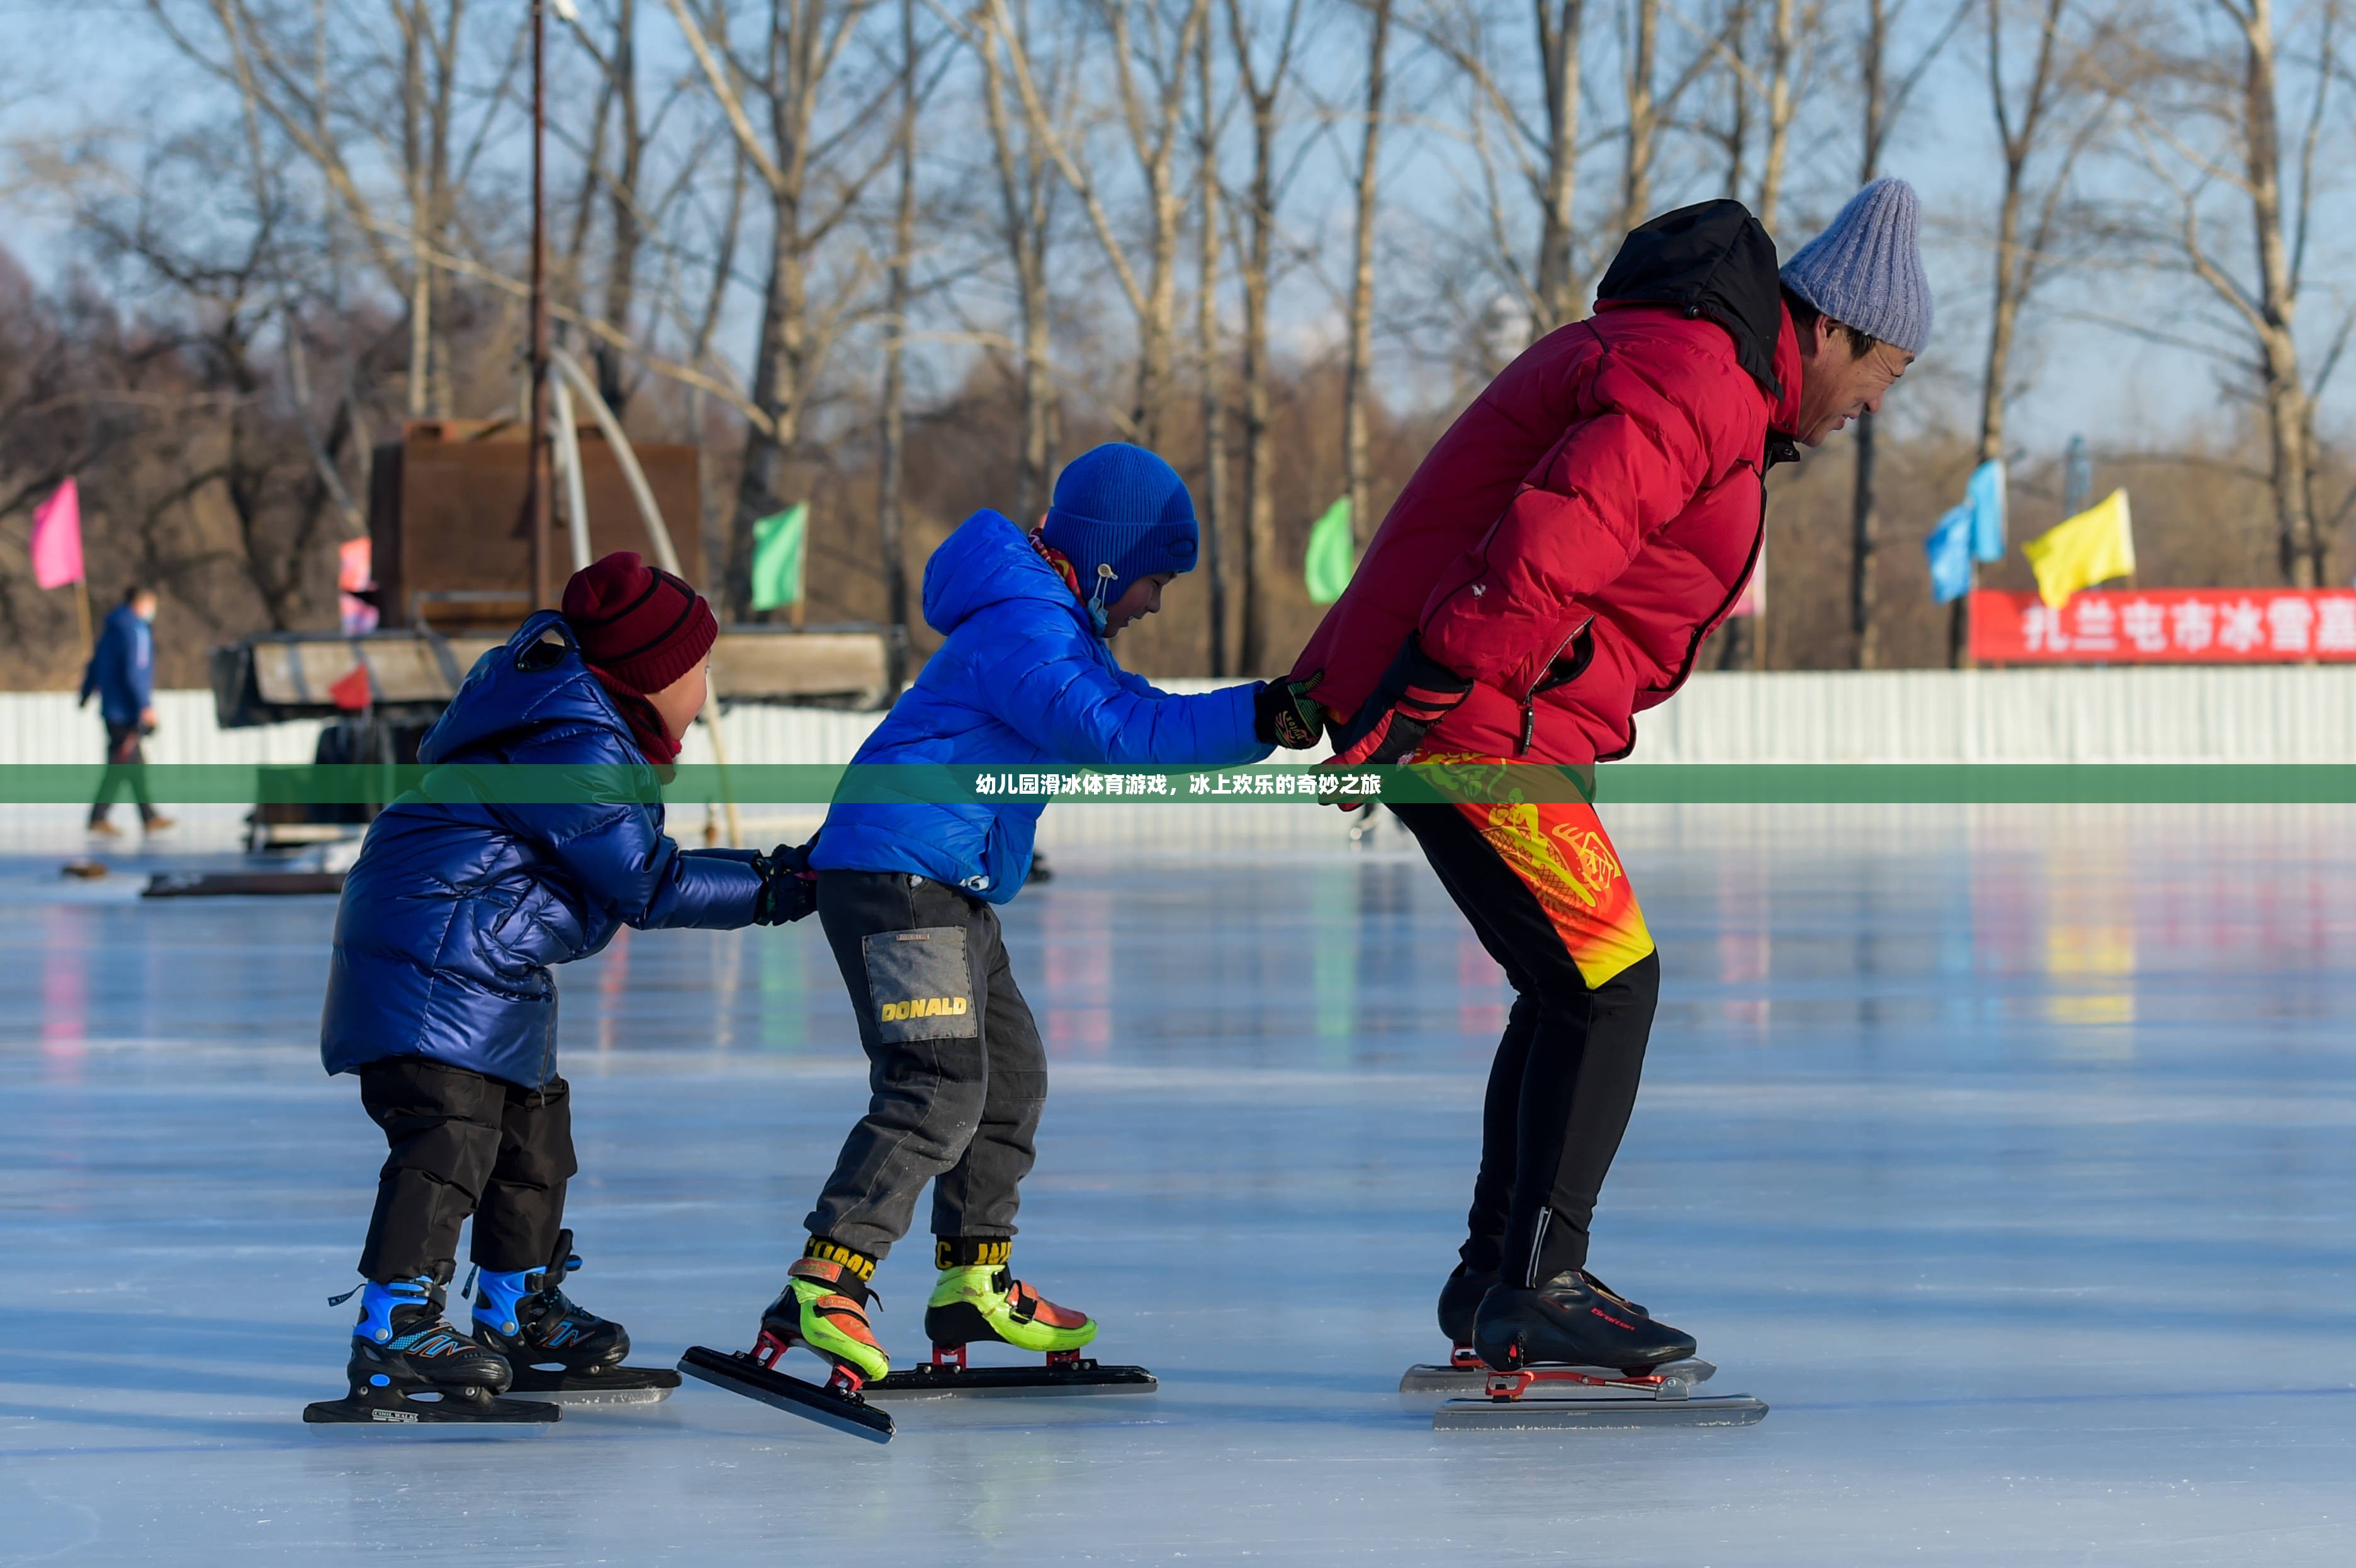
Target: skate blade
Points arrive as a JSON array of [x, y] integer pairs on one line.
[[1589, 1414], [740, 1374], [606, 1386], [926, 1382], [1442, 1377], [390, 1410]]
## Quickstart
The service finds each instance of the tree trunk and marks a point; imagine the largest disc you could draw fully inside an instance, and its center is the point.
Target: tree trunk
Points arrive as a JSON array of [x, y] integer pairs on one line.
[[895, 336], [1864, 522], [1560, 25], [1260, 505], [1215, 407], [622, 206], [2286, 401], [1356, 467], [777, 392], [1780, 47], [1636, 184]]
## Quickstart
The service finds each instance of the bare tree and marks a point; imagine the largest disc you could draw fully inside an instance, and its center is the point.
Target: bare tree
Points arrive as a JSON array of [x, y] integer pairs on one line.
[[2030, 113], [807, 163], [1263, 83], [1884, 85], [1544, 147], [1214, 397], [1354, 455], [2211, 118], [1025, 149], [892, 456]]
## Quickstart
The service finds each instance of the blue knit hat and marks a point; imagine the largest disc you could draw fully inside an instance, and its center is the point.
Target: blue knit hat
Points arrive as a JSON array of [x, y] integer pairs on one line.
[[1866, 269], [1120, 514]]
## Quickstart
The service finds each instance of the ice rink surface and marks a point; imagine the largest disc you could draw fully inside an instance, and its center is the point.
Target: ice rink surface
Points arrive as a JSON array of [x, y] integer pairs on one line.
[[2008, 1154]]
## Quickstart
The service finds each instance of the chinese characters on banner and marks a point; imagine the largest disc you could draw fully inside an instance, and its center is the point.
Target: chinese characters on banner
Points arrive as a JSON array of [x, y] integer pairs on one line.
[[2167, 626], [1317, 785]]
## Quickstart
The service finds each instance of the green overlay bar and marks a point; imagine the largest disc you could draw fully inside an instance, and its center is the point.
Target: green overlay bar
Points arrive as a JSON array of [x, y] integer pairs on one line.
[[1270, 784]]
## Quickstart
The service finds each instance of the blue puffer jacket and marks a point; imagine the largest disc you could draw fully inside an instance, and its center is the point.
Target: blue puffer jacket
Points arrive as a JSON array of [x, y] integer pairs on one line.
[[453, 912], [1023, 678]]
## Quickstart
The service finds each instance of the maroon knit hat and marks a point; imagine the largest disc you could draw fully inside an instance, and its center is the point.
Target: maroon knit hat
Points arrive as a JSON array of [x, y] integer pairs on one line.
[[638, 625]]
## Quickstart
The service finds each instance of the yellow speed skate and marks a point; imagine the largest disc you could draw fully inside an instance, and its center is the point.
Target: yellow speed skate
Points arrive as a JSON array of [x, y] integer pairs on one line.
[[977, 1303]]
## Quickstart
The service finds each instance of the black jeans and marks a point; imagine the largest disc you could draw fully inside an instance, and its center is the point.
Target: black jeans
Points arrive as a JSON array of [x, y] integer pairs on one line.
[[122, 753], [463, 1143], [957, 1075], [1563, 1083]]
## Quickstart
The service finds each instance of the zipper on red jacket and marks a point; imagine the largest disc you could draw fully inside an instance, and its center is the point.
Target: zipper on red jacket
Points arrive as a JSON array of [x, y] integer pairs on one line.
[[1530, 700]]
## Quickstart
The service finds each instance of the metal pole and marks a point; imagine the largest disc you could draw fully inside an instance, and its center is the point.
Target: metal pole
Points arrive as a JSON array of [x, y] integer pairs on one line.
[[535, 441]]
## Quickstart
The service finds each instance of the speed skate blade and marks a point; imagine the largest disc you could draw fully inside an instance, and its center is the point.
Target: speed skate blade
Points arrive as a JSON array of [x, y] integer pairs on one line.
[[605, 1386], [740, 1374], [384, 1409], [1446, 1378], [1566, 1414], [927, 1381]]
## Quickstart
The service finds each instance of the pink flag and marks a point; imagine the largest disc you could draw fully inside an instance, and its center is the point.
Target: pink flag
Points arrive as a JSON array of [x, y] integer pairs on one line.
[[57, 538]]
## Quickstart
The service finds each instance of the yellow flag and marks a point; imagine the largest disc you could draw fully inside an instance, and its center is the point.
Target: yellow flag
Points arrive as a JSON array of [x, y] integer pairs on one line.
[[2093, 547]]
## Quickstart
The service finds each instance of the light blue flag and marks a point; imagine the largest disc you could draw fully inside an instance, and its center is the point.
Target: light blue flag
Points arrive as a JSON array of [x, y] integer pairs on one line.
[[1984, 494], [1950, 549]]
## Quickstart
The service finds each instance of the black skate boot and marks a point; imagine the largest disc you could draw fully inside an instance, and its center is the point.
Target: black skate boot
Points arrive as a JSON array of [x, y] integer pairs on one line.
[[1572, 1320], [555, 1347], [407, 1365]]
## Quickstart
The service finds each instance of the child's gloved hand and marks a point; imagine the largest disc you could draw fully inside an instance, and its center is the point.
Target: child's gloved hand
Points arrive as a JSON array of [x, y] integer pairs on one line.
[[1283, 714], [788, 887], [1416, 692]]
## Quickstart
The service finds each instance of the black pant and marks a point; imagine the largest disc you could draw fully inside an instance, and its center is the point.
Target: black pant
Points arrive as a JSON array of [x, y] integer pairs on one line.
[[122, 756], [956, 1074], [1564, 1081], [463, 1143]]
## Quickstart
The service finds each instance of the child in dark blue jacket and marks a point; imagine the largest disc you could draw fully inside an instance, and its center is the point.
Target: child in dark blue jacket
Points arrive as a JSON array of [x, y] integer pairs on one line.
[[908, 894], [440, 1000]]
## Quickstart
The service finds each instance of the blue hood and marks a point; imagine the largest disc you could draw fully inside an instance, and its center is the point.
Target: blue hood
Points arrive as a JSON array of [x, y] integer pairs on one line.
[[988, 561], [501, 700], [1022, 677]]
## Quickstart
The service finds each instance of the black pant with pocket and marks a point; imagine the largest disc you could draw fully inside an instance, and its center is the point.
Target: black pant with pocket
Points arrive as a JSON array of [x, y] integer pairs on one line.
[[1563, 1084], [957, 1075], [463, 1143]]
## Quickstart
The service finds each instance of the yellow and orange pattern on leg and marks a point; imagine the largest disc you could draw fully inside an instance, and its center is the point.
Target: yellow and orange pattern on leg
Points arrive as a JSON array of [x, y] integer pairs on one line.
[[1561, 853]]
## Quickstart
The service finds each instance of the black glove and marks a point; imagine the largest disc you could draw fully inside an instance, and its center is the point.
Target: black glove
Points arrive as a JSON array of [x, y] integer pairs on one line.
[[1283, 714], [1415, 694], [788, 887]]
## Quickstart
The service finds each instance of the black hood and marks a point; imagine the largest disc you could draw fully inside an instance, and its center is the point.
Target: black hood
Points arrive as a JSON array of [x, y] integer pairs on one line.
[[1711, 260]]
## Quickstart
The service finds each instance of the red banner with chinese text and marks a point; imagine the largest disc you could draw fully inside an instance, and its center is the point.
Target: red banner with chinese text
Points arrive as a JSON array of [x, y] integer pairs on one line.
[[2167, 626]]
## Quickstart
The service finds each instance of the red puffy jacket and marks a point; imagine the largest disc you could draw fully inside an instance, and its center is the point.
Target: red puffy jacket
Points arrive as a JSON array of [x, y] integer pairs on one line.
[[1596, 511]]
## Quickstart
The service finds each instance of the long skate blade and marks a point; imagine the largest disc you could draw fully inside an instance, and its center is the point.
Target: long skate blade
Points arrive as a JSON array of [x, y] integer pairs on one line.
[[1441, 1378], [1559, 1414], [926, 1382], [604, 1386], [385, 1408], [740, 1374]]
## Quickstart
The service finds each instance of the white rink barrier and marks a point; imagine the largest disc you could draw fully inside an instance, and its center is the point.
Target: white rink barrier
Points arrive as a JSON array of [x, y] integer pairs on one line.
[[2175, 714]]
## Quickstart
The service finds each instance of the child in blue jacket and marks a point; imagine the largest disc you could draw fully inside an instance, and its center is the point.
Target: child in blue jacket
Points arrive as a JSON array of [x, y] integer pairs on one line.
[[440, 1001], [908, 892]]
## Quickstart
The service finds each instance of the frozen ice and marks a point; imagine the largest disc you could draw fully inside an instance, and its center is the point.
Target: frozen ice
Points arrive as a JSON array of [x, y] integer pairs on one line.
[[2008, 1153]]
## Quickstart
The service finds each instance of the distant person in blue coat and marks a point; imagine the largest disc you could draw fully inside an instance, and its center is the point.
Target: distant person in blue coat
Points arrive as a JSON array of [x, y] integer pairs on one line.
[[439, 997], [908, 893], [121, 675]]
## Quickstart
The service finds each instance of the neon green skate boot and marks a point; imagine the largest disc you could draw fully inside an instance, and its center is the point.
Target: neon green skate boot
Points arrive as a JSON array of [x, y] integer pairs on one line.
[[979, 1300], [824, 1306]]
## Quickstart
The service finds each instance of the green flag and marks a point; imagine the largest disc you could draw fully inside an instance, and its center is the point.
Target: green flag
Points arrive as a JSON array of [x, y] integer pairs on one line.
[[777, 556], [1330, 561]]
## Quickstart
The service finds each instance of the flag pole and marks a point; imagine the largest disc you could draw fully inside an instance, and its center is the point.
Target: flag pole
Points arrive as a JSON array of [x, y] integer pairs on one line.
[[81, 613]]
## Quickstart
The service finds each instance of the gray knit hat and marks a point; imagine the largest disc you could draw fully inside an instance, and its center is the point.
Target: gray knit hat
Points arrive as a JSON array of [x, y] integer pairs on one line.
[[1866, 269]]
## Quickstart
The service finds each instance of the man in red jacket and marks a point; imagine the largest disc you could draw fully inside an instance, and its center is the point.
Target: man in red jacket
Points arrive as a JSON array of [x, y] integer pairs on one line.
[[1552, 569]]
